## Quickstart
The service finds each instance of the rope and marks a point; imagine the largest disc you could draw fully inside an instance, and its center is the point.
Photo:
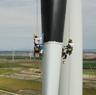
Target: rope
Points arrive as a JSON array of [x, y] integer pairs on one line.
[[69, 19], [37, 15], [69, 38]]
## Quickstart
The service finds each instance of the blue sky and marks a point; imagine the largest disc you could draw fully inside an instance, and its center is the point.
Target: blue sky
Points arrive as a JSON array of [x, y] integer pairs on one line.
[[18, 24]]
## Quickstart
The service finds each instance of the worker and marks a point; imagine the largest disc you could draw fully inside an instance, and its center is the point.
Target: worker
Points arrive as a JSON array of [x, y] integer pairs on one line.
[[67, 50]]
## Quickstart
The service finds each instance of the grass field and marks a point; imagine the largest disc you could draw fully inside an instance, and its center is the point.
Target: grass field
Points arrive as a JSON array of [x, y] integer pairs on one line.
[[7, 71], [20, 63], [89, 91], [89, 63], [11, 71], [89, 69], [15, 85]]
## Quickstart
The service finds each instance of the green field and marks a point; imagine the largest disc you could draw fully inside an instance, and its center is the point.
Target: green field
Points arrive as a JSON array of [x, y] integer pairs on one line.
[[14, 85], [89, 69], [89, 91], [15, 76], [89, 63], [7, 71], [89, 87]]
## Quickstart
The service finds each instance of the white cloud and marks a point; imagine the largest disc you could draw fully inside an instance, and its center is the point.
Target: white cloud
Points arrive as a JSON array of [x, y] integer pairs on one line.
[[18, 16], [18, 23], [89, 23]]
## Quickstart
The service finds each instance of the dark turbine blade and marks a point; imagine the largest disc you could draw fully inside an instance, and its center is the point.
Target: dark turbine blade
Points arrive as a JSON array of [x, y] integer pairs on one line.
[[53, 17]]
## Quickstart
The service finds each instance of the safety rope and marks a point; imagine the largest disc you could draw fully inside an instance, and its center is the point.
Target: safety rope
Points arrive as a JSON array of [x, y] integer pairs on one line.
[[36, 15]]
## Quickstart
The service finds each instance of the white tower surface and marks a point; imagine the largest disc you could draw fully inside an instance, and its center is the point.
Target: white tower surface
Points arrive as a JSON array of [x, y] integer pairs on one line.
[[71, 71], [51, 68]]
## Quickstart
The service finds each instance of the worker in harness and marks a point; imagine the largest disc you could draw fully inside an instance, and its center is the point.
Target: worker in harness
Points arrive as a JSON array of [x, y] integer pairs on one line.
[[67, 50]]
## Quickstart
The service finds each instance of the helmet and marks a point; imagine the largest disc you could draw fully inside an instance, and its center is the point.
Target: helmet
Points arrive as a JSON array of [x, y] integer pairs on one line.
[[70, 40]]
